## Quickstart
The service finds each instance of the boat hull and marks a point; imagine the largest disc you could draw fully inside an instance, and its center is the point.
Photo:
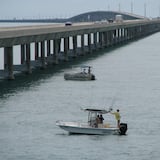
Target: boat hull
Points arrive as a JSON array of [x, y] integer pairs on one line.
[[79, 76], [78, 128]]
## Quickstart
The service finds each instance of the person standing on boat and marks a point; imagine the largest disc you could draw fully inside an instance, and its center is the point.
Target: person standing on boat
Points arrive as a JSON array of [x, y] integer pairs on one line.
[[89, 70], [84, 71], [97, 121], [117, 116], [101, 119]]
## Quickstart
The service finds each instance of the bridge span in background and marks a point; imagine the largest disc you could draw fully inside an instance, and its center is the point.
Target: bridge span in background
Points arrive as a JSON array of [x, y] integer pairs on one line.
[[84, 17]]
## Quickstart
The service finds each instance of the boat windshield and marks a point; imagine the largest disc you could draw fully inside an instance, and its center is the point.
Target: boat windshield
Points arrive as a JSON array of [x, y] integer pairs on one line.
[[86, 68], [92, 118], [93, 114]]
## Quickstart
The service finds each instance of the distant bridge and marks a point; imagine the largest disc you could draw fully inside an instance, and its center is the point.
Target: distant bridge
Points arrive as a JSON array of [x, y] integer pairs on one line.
[[85, 17], [103, 15]]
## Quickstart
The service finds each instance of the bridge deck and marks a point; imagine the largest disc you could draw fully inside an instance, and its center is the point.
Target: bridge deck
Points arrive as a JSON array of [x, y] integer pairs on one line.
[[13, 32], [109, 34]]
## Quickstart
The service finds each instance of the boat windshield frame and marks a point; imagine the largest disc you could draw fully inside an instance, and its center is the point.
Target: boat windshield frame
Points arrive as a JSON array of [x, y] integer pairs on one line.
[[92, 114], [84, 68]]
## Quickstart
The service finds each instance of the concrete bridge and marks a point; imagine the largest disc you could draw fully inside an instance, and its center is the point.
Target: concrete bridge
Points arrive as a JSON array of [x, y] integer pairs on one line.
[[84, 17], [77, 39], [103, 15]]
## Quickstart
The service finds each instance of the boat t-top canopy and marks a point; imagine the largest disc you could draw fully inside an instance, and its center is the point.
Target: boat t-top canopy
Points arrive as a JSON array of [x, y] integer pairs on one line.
[[100, 111], [86, 66]]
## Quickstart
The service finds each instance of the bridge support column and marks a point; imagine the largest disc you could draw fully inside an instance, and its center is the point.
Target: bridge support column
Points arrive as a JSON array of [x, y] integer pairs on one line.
[[136, 32], [130, 33], [89, 43], [126, 34], [122, 35], [28, 59], [36, 51], [82, 45], [48, 48], [140, 31], [109, 38], [112, 37], [8, 62], [95, 40], [144, 30], [74, 46], [22, 53], [119, 35], [66, 48], [105, 39], [56, 44], [43, 65], [133, 32], [100, 40], [115, 37]]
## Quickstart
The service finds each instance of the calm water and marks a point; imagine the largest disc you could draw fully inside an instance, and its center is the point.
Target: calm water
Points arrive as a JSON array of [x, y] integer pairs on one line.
[[129, 76]]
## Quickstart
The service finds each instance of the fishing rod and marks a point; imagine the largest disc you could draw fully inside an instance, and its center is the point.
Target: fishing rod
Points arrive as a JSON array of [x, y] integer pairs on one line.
[[113, 102]]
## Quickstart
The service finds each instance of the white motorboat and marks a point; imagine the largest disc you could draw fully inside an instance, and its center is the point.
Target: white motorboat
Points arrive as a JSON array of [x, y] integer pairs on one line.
[[81, 76], [92, 126]]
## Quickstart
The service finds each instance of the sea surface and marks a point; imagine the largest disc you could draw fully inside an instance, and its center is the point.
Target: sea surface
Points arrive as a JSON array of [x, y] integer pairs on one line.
[[127, 78]]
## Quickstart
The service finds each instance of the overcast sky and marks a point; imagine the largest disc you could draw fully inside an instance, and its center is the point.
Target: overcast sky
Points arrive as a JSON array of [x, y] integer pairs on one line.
[[69, 8]]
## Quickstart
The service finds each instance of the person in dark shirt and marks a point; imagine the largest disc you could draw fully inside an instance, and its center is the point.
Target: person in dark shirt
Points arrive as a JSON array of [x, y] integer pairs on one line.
[[101, 119]]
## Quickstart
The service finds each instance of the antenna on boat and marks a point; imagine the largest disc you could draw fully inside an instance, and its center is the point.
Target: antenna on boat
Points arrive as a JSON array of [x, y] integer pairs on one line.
[[111, 106]]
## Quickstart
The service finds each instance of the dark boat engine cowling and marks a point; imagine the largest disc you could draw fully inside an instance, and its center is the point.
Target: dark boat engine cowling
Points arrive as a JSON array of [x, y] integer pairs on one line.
[[93, 77], [123, 128]]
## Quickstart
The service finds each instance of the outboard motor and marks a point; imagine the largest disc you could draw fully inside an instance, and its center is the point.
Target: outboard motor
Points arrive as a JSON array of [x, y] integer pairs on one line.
[[93, 77], [123, 128]]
